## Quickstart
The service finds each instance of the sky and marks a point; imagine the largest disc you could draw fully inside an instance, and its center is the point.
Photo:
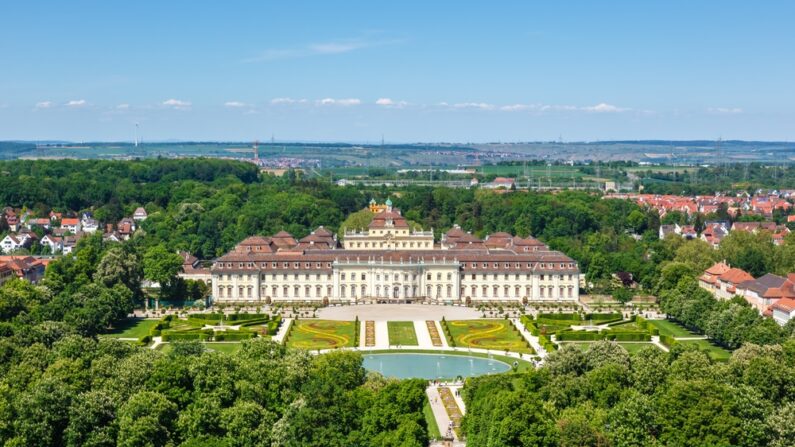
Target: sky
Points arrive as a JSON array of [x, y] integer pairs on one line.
[[407, 71]]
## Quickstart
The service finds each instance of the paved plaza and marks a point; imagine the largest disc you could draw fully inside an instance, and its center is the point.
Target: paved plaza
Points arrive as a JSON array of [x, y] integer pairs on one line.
[[397, 312]]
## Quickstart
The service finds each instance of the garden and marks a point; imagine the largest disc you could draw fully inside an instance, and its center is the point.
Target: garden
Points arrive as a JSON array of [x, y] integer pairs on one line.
[[500, 335], [321, 334], [402, 333]]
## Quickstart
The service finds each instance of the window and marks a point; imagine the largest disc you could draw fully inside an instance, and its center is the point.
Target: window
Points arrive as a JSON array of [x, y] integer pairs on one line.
[[342, 276], [363, 277], [428, 277], [438, 276], [473, 276], [449, 276]]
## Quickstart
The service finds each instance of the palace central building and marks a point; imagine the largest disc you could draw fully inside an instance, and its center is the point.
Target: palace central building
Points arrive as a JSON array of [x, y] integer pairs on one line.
[[391, 262]]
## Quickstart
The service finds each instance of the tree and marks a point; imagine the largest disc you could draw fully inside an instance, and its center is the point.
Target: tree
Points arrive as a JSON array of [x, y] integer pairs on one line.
[[622, 295], [120, 264], [161, 266], [146, 420]]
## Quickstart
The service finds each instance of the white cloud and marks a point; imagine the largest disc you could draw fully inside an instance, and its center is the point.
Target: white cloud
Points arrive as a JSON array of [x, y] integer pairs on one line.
[[604, 108], [235, 104], [283, 101], [388, 102], [517, 107], [333, 47], [44, 105], [725, 110], [339, 102], [474, 105], [76, 103], [177, 104], [122, 106]]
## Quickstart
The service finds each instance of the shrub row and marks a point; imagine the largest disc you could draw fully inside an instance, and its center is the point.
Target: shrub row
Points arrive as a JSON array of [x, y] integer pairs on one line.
[[172, 336], [668, 341], [604, 316], [356, 330], [447, 334], [603, 335], [556, 316], [234, 336]]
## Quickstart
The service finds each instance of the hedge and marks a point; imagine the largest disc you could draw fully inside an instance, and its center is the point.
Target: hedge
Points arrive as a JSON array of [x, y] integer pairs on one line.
[[240, 317], [234, 336], [578, 336], [555, 316], [603, 316], [186, 336], [668, 341]]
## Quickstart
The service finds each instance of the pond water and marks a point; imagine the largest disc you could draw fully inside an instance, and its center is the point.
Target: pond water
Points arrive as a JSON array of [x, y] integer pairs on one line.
[[432, 366]]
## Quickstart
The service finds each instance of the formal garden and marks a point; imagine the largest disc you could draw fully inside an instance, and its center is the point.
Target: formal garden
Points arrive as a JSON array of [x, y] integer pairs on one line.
[[322, 334], [402, 333], [499, 335]]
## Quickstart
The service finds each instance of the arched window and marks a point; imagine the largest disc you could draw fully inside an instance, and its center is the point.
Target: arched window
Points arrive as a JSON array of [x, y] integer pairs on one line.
[[342, 291], [364, 290]]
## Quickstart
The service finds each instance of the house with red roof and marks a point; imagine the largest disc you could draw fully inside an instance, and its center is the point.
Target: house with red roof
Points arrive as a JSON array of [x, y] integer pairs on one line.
[[783, 310], [709, 279], [763, 292], [727, 283]]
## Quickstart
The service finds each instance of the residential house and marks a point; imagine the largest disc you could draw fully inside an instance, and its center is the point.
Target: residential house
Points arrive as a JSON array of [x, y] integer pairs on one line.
[[55, 216], [54, 243], [89, 224], [710, 277], [71, 224], [26, 268], [126, 228], [727, 283], [714, 233], [6, 273], [14, 242], [42, 222], [783, 310], [689, 232], [192, 269], [139, 214], [763, 292]]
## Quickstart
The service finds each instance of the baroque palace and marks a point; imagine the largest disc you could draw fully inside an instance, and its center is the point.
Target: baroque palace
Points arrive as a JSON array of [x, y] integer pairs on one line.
[[391, 262]]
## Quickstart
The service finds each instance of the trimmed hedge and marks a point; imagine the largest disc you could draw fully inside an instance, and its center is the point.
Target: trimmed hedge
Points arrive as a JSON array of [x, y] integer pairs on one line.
[[668, 341], [562, 316], [234, 336], [603, 316], [578, 336], [173, 336]]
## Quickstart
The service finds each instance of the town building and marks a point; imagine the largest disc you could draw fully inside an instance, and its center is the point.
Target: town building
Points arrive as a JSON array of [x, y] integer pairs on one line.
[[390, 262], [139, 214]]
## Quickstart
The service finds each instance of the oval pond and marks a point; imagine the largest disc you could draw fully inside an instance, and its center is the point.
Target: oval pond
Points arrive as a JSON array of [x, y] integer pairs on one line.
[[432, 366]]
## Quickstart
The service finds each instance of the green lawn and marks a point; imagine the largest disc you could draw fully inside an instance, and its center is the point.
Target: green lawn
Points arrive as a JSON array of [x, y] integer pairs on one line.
[[132, 328], [488, 334], [321, 334], [402, 333], [430, 420], [631, 347], [671, 329], [715, 352]]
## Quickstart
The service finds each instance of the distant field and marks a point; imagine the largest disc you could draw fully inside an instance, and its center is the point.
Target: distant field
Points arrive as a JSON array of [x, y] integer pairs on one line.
[[132, 328]]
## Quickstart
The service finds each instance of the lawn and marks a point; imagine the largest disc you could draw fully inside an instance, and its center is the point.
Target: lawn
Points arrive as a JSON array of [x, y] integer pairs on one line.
[[430, 419], [488, 334], [321, 334], [631, 347], [671, 329], [402, 333], [715, 352], [132, 328]]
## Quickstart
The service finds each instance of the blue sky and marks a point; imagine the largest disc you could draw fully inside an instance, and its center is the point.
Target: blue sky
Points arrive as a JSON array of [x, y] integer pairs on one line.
[[412, 71]]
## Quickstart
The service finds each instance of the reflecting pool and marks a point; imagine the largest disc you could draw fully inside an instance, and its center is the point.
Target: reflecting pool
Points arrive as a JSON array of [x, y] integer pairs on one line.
[[432, 366]]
